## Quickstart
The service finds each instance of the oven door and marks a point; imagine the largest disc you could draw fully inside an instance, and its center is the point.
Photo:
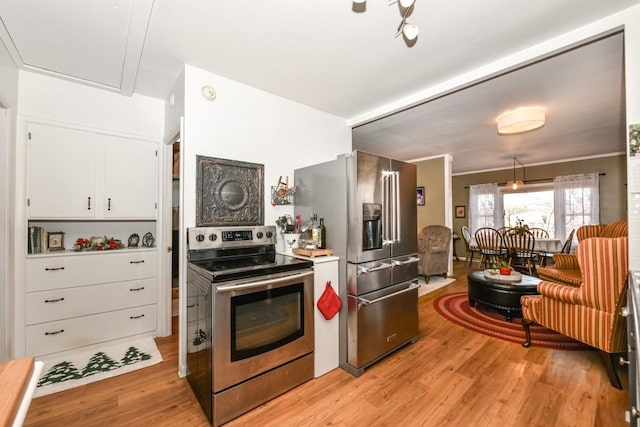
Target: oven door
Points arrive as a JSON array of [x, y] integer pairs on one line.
[[260, 324]]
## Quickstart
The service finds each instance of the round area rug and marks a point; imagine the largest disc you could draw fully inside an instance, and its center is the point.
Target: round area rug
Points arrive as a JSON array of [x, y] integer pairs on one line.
[[455, 308]]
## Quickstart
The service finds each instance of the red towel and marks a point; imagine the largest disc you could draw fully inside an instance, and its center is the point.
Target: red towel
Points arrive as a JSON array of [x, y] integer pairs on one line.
[[329, 302]]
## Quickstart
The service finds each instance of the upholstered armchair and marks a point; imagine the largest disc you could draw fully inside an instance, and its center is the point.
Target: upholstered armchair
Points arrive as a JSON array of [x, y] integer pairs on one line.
[[589, 312], [434, 242], [565, 267]]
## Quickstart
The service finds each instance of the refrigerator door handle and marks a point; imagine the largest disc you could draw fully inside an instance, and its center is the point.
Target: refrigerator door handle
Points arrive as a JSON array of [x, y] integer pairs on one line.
[[367, 270], [388, 221], [396, 202], [408, 261], [363, 301]]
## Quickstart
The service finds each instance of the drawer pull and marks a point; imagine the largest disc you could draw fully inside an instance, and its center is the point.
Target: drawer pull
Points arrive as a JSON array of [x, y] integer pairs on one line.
[[109, 204], [88, 203], [54, 333], [136, 317], [54, 300], [136, 289], [136, 262], [53, 268], [191, 306]]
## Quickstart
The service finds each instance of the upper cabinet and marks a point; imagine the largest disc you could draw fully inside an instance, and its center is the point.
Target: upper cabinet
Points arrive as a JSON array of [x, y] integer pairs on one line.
[[76, 174]]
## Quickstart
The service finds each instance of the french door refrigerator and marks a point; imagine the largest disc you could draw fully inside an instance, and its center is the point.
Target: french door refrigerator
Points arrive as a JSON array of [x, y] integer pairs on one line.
[[368, 203]]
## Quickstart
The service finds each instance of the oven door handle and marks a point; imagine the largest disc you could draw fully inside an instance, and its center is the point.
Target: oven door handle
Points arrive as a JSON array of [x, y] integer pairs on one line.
[[260, 283], [364, 301]]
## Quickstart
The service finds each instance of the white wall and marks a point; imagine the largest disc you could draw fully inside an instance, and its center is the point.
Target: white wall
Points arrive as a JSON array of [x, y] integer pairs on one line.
[[247, 124], [56, 101], [8, 100]]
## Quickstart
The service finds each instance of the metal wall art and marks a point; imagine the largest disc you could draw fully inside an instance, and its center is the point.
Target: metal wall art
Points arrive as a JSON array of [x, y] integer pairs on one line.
[[229, 192]]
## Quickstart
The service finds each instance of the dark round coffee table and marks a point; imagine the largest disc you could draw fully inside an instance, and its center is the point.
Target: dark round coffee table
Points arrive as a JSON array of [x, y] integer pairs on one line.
[[502, 295]]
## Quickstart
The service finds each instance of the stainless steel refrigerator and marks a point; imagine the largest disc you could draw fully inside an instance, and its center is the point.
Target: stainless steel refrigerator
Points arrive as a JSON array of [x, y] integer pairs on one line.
[[368, 204]]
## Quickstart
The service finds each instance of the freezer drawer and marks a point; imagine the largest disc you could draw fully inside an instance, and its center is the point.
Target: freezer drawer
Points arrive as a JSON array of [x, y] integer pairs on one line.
[[404, 269], [380, 322], [369, 276]]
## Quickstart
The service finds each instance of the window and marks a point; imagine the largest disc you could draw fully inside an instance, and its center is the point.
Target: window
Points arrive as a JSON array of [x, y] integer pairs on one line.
[[485, 207], [534, 208]]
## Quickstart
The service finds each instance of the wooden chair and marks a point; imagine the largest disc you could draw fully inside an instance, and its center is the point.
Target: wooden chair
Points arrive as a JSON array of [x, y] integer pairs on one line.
[[591, 311], [566, 248], [468, 243], [539, 233], [490, 245], [520, 250]]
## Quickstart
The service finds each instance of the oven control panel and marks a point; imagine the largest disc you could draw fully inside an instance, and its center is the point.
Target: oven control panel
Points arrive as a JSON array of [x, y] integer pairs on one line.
[[199, 238]]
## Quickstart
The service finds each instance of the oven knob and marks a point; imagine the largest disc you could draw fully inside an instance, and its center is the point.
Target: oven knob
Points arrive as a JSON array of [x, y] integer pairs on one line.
[[269, 234], [259, 234], [199, 237], [213, 237]]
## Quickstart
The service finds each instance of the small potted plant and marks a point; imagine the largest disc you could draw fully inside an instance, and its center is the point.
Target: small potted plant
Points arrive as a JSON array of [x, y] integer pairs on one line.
[[502, 267]]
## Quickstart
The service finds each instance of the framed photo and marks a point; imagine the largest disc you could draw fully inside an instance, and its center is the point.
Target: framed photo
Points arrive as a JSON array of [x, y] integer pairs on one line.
[[55, 241], [420, 196], [461, 211]]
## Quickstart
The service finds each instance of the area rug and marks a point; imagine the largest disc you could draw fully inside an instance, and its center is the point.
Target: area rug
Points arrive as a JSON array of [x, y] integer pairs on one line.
[[455, 308], [91, 366], [435, 282]]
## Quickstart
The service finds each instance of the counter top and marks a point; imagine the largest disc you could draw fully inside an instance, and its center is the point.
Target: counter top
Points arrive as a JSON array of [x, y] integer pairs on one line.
[[14, 379]]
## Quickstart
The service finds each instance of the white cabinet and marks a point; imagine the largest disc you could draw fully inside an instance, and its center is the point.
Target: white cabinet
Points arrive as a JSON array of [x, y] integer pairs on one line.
[[77, 300], [76, 174], [61, 173], [129, 177]]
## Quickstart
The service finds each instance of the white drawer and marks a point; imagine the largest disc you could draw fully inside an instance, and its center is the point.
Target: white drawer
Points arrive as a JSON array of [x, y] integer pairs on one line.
[[67, 334], [46, 306], [56, 272]]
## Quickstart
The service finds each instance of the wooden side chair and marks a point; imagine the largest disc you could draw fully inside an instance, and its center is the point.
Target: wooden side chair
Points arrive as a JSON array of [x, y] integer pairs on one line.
[[469, 244], [490, 245], [520, 250], [539, 233], [591, 311]]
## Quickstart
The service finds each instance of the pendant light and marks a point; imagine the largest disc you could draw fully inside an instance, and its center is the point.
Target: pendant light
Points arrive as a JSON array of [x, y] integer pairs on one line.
[[516, 184]]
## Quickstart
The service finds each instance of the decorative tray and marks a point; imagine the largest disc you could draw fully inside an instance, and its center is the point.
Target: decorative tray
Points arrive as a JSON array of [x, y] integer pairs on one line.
[[312, 252], [513, 277]]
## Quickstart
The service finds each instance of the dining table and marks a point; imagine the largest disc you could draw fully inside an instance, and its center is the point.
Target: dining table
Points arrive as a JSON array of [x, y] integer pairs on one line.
[[547, 245]]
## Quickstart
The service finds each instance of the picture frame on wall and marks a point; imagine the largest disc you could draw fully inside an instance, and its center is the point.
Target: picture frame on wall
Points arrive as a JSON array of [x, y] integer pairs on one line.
[[461, 211], [420, 196]]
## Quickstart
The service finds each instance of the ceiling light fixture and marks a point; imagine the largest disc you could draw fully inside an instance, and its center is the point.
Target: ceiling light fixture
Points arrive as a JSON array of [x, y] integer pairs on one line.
[[521, 120], [408, 30], [517, 184]]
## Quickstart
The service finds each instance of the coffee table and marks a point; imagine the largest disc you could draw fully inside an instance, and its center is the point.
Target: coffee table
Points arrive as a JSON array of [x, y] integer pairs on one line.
[[502, 295]]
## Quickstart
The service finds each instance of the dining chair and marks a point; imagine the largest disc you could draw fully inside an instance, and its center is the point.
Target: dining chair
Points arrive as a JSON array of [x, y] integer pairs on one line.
[[539, 233], [520, 246], [470, 246], [503, 230], [566, 248], [490, 245]]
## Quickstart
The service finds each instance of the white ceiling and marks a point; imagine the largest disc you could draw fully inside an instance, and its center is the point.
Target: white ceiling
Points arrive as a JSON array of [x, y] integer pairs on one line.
[[323, 54]]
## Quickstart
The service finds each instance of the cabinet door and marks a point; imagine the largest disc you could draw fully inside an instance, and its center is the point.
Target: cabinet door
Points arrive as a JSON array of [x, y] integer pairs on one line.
[[130, 177], [61, 172]]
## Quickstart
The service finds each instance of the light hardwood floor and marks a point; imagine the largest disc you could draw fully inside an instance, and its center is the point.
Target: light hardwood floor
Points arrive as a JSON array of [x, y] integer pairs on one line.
[[451, 376]]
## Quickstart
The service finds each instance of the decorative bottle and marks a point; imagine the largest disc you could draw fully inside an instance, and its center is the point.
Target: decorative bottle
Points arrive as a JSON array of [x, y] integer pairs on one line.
[[322, 235]]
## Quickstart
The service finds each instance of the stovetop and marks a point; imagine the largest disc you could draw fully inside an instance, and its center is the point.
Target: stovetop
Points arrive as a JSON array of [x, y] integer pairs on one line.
[[232, 253]]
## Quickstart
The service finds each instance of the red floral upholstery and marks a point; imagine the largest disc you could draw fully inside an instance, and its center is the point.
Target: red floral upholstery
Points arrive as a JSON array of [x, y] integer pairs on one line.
[[590, 312]]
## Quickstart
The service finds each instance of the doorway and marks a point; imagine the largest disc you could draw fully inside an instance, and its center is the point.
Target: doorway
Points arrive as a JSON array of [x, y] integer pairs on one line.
[[175, 230]]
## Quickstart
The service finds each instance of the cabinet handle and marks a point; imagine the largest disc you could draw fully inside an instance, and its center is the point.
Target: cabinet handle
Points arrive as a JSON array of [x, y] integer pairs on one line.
[[54, 333], [136, 289], [88, 203], [53, 268], [54, 300], [191, 306], [109, 204], [136, 262], [136, 317]]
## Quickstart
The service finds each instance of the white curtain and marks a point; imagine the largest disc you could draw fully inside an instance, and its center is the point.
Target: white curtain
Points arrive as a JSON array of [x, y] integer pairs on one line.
[[485, 207], [576, 202]]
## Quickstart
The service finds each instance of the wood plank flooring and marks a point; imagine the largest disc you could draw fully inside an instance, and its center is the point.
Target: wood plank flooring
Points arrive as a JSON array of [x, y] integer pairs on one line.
[[451, 376]]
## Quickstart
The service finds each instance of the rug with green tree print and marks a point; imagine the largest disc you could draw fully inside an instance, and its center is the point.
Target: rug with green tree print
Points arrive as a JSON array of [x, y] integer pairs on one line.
[[87, 367]]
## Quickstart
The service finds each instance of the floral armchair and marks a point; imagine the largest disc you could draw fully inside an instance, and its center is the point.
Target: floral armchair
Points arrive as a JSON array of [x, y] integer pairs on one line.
[[434, 242], [589, 312]]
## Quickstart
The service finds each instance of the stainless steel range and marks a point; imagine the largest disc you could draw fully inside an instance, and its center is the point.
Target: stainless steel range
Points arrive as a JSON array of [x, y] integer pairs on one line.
[[249, 319]]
